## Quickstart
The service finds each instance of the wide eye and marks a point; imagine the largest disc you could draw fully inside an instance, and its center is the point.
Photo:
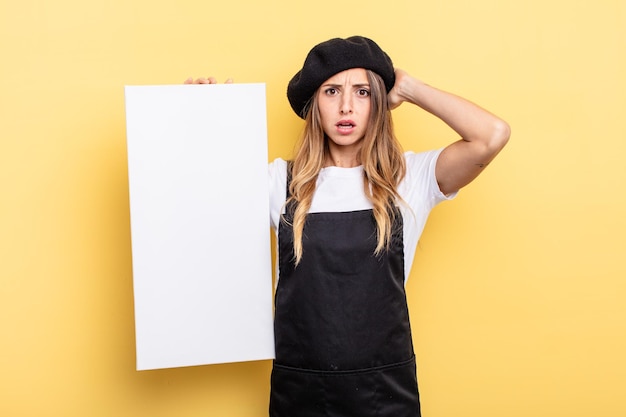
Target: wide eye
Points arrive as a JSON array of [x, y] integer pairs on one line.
[[363, 92], [330, 91]]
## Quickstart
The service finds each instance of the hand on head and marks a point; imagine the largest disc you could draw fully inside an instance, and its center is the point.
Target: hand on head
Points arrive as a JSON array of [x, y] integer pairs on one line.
[[395, 97]]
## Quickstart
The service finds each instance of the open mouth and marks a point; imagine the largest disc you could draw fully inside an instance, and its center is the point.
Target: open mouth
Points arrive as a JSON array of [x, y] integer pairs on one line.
[[345, 124]]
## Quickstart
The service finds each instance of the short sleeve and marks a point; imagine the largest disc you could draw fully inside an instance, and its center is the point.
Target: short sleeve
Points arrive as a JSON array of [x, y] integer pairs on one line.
[[277, 176], [420, 188], [420, 191]]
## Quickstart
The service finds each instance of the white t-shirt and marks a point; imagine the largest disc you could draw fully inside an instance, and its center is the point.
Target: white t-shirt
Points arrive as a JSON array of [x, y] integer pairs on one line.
[[341, 189]]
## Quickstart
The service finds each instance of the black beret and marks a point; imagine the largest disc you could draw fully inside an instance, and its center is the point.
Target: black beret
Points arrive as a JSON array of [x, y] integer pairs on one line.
[[331, 57]]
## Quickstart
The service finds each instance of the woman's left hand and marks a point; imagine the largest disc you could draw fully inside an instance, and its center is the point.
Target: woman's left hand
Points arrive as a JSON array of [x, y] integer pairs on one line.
[[395, 96]]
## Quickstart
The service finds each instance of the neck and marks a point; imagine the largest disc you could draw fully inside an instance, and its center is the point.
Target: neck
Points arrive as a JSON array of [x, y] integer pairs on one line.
[[343, 156]]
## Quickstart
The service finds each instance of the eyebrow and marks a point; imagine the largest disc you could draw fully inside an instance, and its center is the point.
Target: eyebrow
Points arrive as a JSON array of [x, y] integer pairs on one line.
[[341, 85]]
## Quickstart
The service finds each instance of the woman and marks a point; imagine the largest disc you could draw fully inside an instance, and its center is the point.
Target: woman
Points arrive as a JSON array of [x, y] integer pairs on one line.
[[348, 212]]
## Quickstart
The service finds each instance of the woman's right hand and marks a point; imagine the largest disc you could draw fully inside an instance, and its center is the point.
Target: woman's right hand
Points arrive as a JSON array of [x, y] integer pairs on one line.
[[208, 80]]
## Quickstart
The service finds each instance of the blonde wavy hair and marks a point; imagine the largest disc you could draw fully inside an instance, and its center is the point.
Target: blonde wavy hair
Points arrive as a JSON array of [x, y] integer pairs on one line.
[[381, 156]]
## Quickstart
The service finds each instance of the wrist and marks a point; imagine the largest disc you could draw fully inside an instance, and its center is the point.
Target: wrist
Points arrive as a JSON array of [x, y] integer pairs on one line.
[[411, 89]]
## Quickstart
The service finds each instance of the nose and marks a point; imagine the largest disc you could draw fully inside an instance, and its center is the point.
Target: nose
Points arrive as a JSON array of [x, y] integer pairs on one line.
[[346, 104]]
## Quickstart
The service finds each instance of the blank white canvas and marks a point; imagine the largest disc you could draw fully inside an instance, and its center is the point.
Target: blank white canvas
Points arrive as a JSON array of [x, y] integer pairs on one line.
[[199, 206]]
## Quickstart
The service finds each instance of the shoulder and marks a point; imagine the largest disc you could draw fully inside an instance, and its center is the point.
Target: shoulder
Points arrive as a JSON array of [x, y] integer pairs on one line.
[[420, 181], [417, 159], [421, 163], [277, 177], [277, 167], [277, 172]]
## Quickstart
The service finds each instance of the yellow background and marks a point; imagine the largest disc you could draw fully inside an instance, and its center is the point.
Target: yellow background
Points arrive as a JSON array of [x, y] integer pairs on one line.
[[517, 298]]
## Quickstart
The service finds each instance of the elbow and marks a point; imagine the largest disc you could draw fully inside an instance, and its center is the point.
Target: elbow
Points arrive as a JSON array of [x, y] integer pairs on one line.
[[501, 133], [494, 139], [497, 138]]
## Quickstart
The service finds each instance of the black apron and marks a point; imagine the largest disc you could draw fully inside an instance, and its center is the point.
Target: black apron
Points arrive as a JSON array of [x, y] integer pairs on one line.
[[342, 333]]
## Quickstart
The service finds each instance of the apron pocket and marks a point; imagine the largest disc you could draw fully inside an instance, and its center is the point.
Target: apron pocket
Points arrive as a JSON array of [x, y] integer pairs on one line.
[[389, 390]]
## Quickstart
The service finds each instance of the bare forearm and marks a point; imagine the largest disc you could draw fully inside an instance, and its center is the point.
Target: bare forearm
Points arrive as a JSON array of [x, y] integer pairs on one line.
[[469, 120]]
